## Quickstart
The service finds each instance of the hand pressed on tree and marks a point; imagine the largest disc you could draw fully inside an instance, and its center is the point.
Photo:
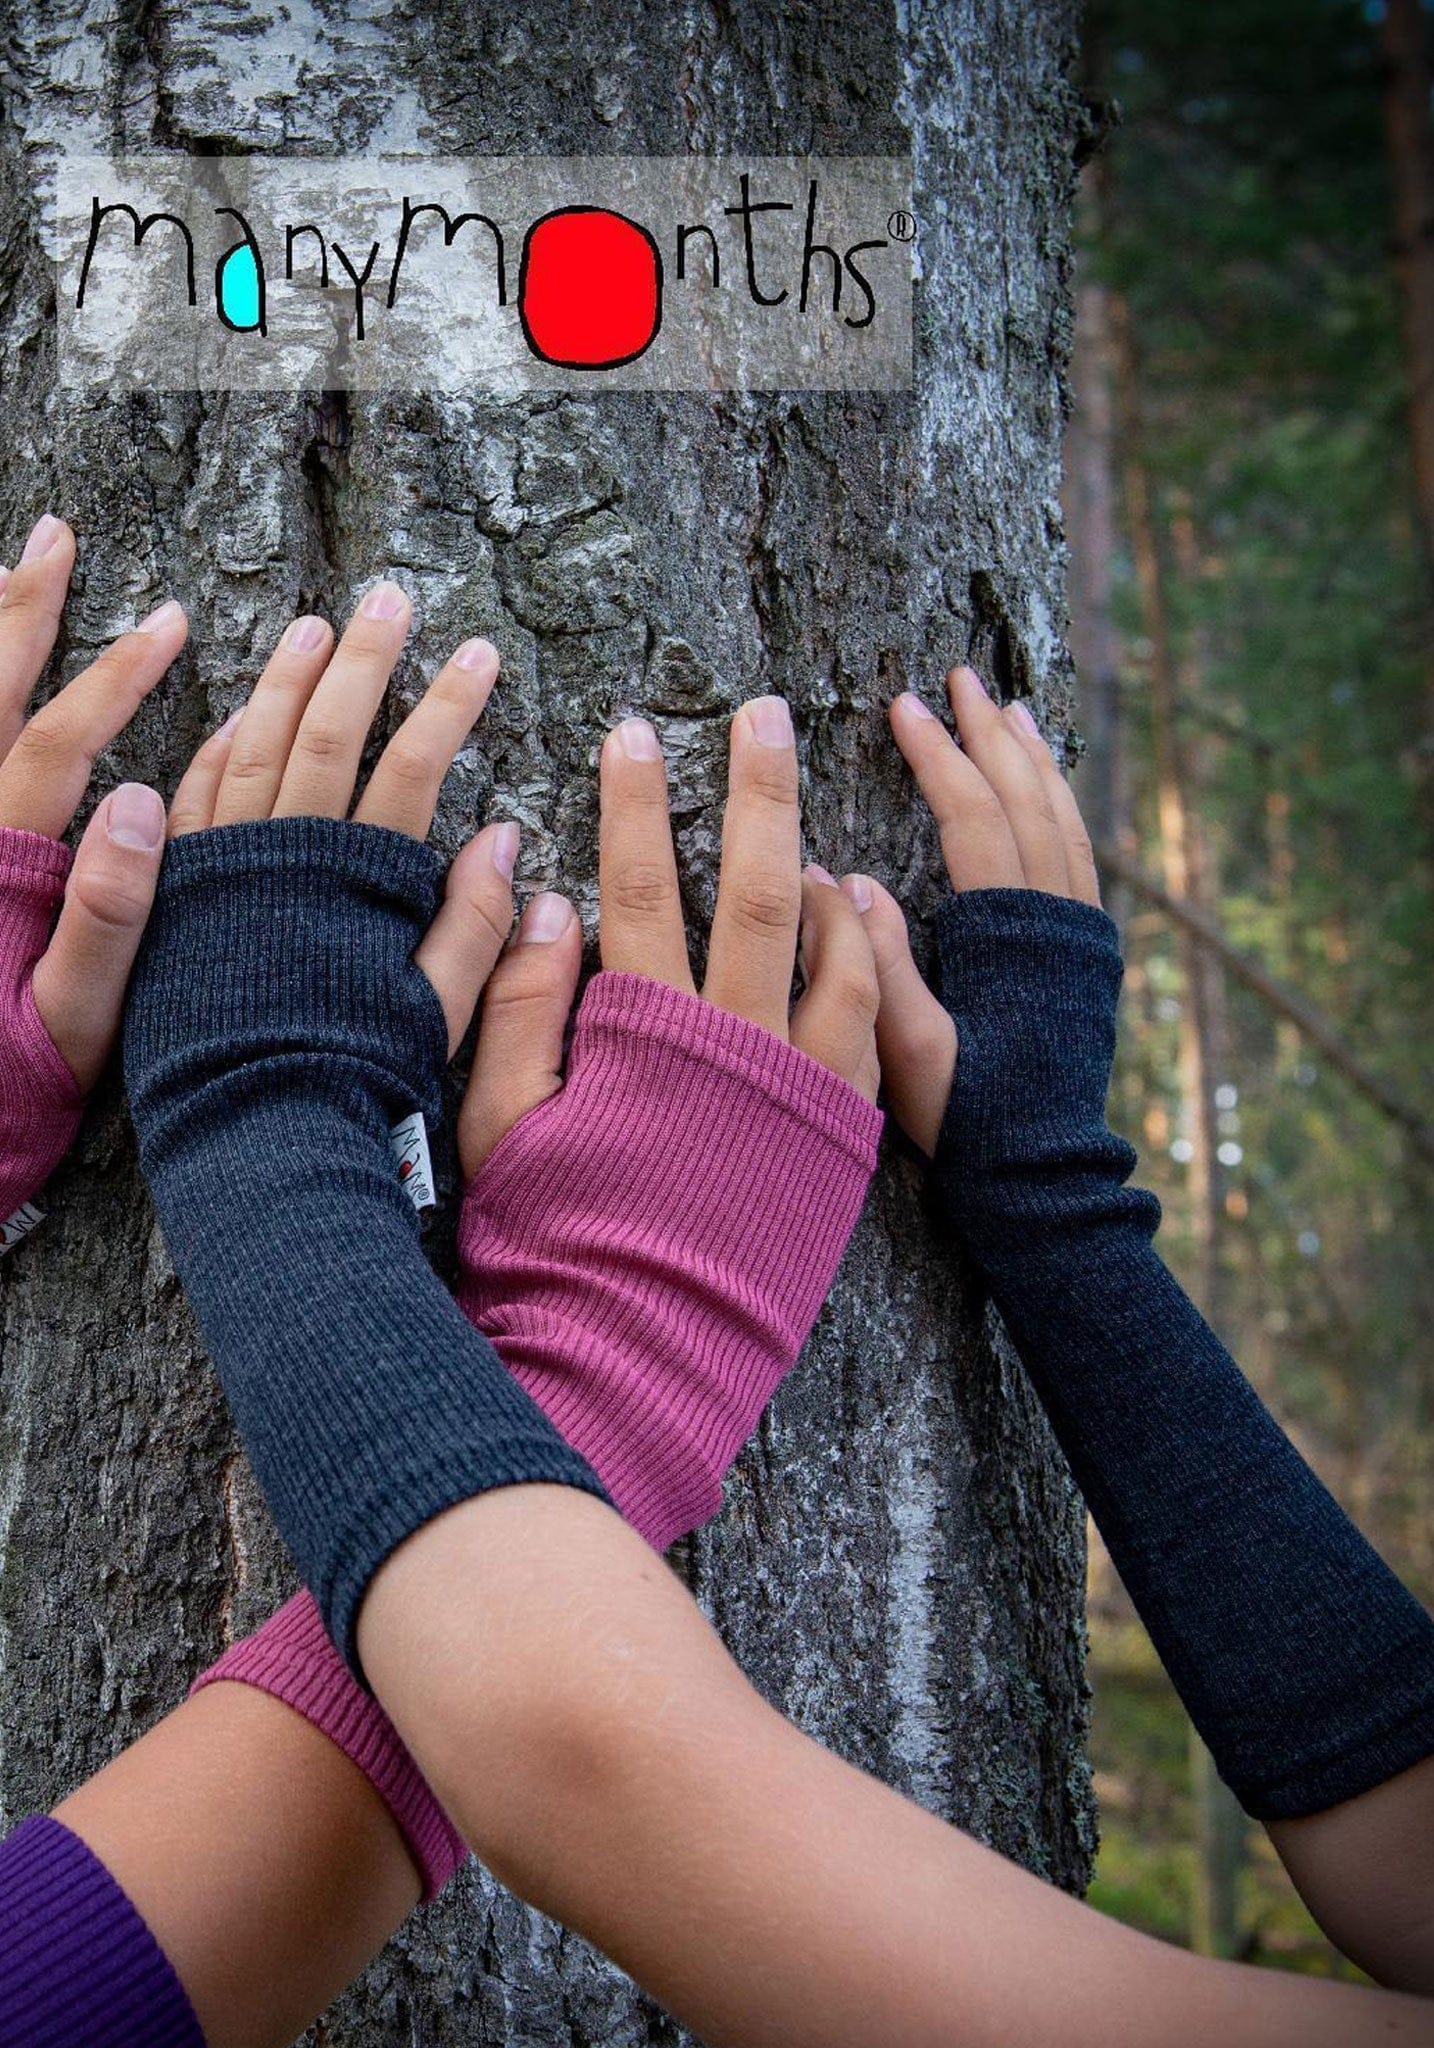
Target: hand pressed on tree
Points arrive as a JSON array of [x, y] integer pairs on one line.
[[650, 1245], [1007, 820], [62, 981]]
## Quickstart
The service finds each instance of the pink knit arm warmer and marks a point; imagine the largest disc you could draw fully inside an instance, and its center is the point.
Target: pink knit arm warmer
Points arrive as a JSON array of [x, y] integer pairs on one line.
[[40, 1099], [292, 1659], [649, 1249]]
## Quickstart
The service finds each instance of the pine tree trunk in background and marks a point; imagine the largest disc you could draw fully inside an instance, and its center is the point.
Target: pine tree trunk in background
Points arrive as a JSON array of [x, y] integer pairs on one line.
[[900, 1565], [1219, 1822], [1102, 778], [1404, 49]]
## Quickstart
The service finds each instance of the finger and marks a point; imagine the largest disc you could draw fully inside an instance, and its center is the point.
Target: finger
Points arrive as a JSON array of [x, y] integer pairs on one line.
[[81, 977], [257, 760], [32, 597], [403, 790], [640, 929], [759, 888], [976, 841], [318, 780], [191, 808], [990, 741], [835, 1019], [1082, 879], [464, 940], [915, 1038], [46, 771], [519, 1058]]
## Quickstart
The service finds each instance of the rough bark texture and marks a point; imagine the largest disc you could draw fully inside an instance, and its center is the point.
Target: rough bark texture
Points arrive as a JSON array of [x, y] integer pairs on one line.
[[900, 1564]]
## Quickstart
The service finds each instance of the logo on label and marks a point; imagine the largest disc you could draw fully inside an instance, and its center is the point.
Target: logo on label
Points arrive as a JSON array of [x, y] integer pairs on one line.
[[415, 1167]]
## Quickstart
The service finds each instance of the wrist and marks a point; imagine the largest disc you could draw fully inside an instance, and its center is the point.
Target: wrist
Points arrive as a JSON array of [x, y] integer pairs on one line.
[[40, 1100], [292, 1659]]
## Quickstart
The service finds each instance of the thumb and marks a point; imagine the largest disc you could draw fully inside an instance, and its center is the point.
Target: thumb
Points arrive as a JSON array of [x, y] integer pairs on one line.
[[80, 979], [518, 1062], [915, 1039]]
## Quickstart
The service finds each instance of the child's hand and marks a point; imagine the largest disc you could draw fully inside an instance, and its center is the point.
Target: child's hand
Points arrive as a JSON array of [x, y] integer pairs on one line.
[[648, 1240], [62, 982], [764, 901], [295, 750], [1007, 821]]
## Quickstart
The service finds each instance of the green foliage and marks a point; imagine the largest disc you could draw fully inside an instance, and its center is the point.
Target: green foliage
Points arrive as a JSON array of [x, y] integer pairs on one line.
[[1246, 218]]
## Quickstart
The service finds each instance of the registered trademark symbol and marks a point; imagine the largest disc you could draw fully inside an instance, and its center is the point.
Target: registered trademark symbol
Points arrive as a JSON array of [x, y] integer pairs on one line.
[[902, 227]]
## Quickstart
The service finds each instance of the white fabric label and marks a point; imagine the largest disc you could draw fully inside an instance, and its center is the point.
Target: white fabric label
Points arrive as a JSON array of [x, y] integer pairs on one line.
[[415, 1167], [19, 1225]]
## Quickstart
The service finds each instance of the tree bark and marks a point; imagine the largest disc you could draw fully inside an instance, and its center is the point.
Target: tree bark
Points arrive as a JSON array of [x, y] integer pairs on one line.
[[900, 1565]]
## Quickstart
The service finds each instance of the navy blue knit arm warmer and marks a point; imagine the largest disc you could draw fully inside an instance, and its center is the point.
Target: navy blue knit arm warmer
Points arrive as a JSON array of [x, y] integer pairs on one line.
[[277, 1028], [1305, 1665]]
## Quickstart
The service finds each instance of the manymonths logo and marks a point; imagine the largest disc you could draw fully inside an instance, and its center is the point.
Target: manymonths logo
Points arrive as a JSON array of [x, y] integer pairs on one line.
[[262, 272]]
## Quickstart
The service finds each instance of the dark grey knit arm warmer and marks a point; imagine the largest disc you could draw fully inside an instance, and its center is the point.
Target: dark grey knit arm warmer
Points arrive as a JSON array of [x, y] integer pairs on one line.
[[1306, 1666], [277, 1028]]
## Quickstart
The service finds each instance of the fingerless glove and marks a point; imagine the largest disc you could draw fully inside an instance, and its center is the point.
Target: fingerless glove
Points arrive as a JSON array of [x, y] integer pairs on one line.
[[277, 1027], [39, 1097], [649, 1248], [1305, 1665], [292, 1659]]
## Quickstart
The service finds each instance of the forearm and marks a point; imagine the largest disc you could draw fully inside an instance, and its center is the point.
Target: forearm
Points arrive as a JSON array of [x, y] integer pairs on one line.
[[1307, 1667], [634, 1785], [277, 1027], [261, 1858]]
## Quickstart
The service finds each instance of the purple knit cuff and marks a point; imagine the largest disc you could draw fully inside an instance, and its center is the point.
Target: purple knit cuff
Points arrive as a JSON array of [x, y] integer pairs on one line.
[[292, 1659], [78, 1966]]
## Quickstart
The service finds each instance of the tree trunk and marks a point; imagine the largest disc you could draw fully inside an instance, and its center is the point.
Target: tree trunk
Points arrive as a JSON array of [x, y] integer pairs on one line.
[[1409, 145], [1219, 1823], [900, 1565]]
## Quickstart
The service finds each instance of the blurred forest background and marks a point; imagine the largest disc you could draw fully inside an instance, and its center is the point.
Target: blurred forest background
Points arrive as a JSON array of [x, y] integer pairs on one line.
[[1251, 511]]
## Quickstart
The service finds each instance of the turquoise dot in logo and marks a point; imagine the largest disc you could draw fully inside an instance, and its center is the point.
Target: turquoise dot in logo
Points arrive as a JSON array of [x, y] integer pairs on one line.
[[239, 288]]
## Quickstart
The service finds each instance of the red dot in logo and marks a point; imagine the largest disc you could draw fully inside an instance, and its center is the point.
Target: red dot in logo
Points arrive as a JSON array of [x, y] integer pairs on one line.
[[589, 289]]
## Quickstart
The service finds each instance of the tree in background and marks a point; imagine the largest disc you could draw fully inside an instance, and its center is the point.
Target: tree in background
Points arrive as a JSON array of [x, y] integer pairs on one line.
[[1271, 621]]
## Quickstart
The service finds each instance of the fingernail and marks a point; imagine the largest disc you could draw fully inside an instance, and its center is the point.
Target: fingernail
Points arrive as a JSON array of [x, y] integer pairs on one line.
[[163, 616], [819, 874], [971, 676], [639, 740], [4, 575], [503, 850], [134, 816], [384, 601], [229, 724], [770, 721], [1024, 719], [43, 535], [547, 917], [858, 888], [475, 654], [913, 703], [305, 634]]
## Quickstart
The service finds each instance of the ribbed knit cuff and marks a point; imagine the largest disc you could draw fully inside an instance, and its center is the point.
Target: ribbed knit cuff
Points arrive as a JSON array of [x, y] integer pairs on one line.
[[277, 1026], [1032, 982], [649, 1248], [292, 1659], [307, 927], [40, 1099], [78, 1966]]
